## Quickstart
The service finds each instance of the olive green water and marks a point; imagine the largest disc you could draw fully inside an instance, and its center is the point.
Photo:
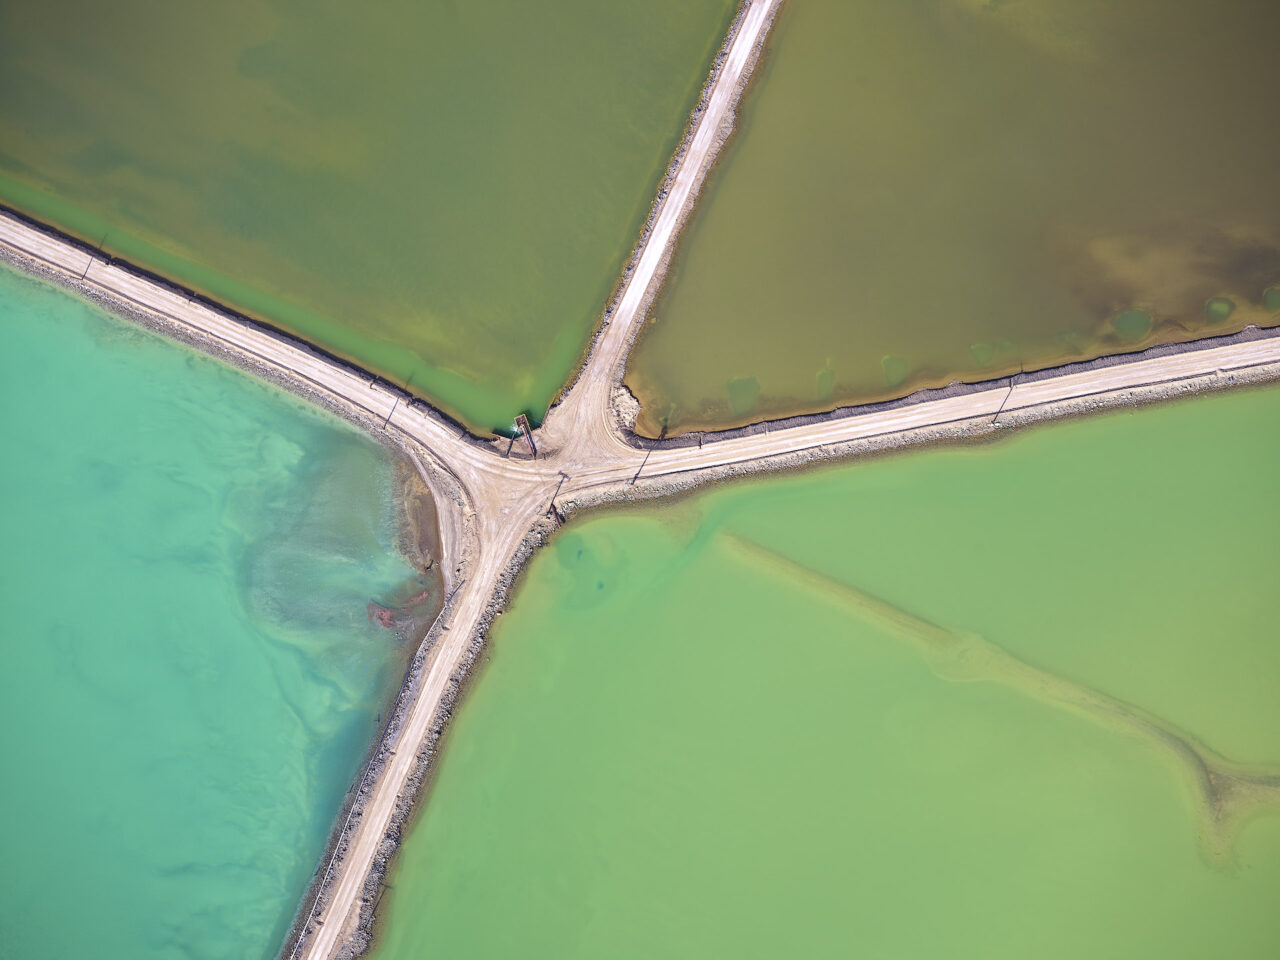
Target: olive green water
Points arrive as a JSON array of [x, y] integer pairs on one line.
[[947, 704], [444, 192], [188, 677], [919, 192]]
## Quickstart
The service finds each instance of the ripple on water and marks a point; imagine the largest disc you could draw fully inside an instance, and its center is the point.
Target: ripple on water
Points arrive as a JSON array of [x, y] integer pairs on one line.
[[189, 679]]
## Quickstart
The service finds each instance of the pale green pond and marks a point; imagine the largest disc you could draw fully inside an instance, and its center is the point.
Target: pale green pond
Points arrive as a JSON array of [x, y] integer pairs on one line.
[[188, 676], [935, 190], [442, 191], [863, 711]]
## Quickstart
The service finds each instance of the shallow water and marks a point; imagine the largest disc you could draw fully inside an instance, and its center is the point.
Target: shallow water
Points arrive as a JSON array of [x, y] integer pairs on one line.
[[919, 192], [444, 192], [735, 726], [189, 678]]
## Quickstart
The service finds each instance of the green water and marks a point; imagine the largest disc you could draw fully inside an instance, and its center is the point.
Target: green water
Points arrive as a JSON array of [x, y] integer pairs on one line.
[[189, 679], [855, 712], [930, 190], [444, 192]]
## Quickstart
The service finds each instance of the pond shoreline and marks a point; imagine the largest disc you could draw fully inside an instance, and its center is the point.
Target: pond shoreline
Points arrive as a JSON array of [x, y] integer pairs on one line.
[[495, 509], [459, 532], [458, 528]]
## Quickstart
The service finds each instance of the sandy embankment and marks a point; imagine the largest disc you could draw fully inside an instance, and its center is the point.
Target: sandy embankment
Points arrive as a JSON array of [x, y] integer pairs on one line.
[[424, 532], [478, 540], [493, 508], [709, 157]]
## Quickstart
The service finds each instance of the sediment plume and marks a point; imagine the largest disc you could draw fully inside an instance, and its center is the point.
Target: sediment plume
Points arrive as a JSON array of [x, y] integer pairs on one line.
[[1227, 793], [411, 610]]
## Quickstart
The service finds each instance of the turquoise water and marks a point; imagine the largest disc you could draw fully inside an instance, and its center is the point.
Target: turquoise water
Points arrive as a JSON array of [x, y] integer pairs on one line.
[[443, 192], [188, 678]]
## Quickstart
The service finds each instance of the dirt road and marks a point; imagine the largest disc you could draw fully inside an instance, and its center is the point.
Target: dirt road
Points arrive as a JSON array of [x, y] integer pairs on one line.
[[493, 504], [493, 507]]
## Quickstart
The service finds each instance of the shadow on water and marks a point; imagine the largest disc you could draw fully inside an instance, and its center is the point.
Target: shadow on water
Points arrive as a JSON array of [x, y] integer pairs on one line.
[[1228, 794]]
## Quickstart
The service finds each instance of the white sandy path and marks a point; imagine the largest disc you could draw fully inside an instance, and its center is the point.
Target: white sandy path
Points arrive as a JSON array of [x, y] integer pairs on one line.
[[504, 498], [589, 400], [489, 504]]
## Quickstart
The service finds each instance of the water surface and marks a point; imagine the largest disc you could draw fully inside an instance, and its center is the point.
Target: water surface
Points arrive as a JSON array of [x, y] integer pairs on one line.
[[846, 713], [931, 190], [189, 678], [444, 192]]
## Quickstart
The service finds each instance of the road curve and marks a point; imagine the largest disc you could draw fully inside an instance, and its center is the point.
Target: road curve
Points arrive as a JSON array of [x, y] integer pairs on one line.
[[493, 506]]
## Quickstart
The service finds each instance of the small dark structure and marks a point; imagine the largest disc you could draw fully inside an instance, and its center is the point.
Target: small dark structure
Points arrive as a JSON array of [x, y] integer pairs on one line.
[[523, 423]]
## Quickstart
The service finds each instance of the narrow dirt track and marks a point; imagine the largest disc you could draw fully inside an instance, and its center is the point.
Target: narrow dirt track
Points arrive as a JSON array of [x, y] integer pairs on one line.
[[494, 506]]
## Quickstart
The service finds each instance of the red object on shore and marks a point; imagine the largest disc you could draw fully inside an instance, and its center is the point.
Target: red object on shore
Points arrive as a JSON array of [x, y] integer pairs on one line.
[[390, 618]]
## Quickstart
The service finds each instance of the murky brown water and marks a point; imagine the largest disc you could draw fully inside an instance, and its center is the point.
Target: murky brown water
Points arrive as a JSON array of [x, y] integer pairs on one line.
[[926, 191], [986, 702], [443, 192]]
